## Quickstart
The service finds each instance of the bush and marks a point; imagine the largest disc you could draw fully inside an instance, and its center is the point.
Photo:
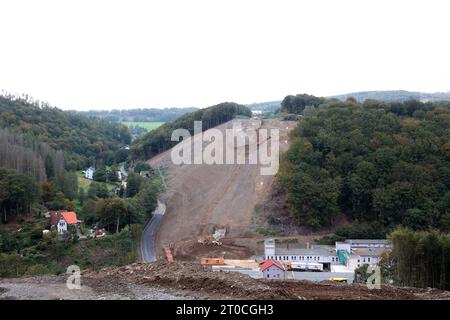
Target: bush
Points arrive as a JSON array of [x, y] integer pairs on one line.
[[37, 269]]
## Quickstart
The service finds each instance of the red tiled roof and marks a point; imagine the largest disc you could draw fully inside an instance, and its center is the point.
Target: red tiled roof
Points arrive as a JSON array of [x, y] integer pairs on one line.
[[268, 263], [70, 217], [54, 218]]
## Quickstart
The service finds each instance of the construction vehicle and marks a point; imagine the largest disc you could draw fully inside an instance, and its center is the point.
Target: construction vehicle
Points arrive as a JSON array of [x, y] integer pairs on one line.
[[341, 280], [208, 240]]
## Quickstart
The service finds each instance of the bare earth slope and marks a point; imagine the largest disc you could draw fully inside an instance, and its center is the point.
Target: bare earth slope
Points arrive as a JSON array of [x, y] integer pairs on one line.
[[202, 197]]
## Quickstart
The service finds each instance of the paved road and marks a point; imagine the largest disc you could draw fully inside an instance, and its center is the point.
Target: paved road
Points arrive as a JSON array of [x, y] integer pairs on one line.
[[149, 234]]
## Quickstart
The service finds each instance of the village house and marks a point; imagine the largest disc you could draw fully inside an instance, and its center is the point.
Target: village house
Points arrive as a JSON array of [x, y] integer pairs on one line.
[[61, 220], [273, 269], [89, 173]]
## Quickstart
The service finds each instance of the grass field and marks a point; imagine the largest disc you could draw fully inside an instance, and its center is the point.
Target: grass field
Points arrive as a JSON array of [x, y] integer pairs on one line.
[[146, 125], [85, 183]]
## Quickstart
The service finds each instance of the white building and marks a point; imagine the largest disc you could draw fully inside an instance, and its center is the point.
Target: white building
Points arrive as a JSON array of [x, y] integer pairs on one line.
[[350, 254], [355, 253], [325, 255], [89, 173], [362, 256]]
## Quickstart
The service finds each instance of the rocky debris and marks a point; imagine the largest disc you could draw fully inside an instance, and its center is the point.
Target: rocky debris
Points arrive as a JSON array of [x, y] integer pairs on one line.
[[188, 280], [201, 280]]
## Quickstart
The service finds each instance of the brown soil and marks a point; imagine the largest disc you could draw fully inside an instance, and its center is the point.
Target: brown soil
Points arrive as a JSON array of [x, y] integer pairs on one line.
[[195, 278], [202, 197]]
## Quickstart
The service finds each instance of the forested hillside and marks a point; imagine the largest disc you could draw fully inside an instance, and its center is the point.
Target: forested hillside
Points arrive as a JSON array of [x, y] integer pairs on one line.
[[83, 140], [138, 115], [159, 140], [42, 150], [386, 163]]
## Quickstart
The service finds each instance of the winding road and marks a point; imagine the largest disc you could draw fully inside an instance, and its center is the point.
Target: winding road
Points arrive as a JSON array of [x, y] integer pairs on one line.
[[148, 253]]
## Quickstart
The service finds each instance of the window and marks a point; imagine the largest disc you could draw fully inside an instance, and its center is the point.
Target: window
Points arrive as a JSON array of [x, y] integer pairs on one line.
[[368, 259]]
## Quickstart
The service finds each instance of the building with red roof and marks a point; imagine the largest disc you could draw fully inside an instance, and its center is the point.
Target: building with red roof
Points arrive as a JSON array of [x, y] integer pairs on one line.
[[62, 219], [273, 269]]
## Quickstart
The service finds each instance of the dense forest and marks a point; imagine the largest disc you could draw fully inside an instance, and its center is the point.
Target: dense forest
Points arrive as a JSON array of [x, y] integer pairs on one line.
[[138, 115], [384, 163], [418, 259], [83, 140], [159, 140]]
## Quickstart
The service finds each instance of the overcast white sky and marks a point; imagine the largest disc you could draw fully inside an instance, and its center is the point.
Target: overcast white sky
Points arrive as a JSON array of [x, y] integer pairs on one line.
[[167, 53]]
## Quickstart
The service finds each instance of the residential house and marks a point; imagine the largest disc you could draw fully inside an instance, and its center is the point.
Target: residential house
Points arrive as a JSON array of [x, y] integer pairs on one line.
[[61, 220], [273, 269], [89, 173]]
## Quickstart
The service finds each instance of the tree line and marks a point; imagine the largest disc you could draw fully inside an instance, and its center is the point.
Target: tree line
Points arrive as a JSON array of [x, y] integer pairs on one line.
[[29, 156], [418, 259], [159, 140], [138, 115]]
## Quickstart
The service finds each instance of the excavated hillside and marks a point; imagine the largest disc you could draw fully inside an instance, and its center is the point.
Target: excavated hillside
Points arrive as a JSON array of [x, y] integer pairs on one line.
[[201, 198]]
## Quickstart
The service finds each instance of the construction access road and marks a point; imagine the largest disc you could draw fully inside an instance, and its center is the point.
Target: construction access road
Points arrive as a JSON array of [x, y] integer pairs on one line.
[[148, 252]]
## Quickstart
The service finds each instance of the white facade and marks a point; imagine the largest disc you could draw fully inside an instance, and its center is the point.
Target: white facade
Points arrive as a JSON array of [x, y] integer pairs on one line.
[[62, 226], [356, 261], [273, 272], [269, 248], [89, 173], [353, 253], [319, 254]]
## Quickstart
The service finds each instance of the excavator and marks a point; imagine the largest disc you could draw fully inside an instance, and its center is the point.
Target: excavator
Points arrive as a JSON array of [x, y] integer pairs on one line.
[[208, 240]]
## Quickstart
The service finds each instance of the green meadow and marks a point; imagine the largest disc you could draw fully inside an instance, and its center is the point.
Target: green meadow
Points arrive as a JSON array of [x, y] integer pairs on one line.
[[146, 125]]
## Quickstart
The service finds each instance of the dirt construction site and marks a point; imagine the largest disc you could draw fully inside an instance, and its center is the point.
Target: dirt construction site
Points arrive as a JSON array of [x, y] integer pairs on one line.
[[186, 280], [202, 198]]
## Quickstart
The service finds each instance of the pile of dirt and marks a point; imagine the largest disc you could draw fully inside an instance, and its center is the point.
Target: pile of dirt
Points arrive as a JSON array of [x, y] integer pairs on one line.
[[193, 277], [201, 280], [191, 250]]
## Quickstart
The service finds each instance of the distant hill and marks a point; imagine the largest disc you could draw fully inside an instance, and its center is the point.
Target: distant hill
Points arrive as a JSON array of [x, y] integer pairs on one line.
[[394, 96], [138, 115], [270, 106]]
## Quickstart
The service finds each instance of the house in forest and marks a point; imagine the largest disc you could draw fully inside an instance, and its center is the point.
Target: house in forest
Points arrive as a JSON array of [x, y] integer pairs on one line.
[[62, 220], [89, 173]]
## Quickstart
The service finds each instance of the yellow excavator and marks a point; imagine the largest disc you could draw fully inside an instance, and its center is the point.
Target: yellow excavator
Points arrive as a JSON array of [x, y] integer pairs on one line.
[[208, 240]]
